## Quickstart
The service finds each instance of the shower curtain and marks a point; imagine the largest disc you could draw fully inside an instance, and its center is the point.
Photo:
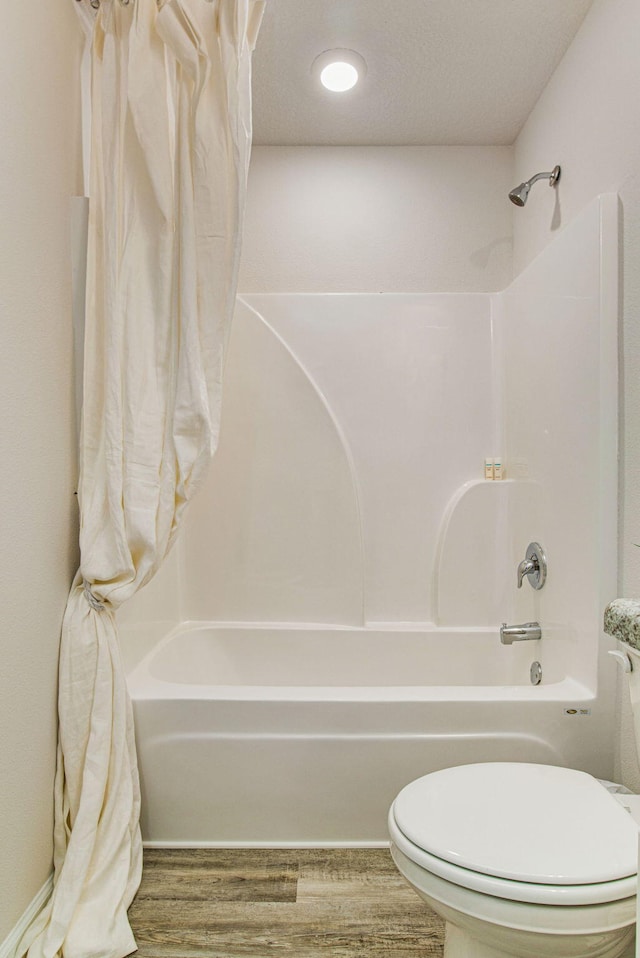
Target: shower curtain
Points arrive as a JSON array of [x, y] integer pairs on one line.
[[170, 136]]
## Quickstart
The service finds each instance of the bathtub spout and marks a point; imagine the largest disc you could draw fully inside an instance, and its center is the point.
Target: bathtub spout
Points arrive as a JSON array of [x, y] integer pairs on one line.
[[530, 631]]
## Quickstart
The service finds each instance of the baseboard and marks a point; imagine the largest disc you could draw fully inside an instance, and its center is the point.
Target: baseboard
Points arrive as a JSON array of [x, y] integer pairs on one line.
[[9, 945], [274, 845]]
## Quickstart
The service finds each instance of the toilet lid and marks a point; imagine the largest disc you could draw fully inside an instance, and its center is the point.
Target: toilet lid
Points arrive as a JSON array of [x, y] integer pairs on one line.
[[529, 823]]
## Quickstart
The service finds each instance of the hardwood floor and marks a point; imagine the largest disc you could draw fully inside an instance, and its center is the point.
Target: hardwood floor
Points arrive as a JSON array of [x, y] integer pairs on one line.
[[300, 903]]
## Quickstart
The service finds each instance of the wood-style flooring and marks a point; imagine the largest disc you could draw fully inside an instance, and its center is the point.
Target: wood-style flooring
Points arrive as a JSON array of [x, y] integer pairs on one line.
[[300, 903]]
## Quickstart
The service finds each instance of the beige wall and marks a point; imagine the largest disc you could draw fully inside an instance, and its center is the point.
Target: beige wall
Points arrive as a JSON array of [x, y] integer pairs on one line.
[[38, 173], [378, 219], [588, 121]]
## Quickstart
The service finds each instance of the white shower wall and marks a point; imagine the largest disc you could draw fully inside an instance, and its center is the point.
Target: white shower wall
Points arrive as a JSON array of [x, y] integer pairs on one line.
[[349, 420], [559, 345]]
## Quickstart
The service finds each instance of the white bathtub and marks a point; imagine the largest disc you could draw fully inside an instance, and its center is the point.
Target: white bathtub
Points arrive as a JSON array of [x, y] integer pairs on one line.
[[303, 735]]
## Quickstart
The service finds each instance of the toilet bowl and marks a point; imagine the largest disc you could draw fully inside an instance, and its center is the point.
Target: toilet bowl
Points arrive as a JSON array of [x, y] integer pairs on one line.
[[521, 861]]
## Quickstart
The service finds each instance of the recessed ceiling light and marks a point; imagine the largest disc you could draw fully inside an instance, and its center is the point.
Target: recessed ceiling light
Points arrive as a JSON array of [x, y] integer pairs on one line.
[[339, 76], [339, 70]]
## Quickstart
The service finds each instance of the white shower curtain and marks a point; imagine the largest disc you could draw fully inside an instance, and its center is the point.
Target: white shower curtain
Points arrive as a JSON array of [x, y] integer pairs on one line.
[[170, 141]]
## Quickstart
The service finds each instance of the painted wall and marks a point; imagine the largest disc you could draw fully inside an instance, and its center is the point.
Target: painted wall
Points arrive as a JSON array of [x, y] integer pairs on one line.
[[38, 173], [377, 219], [588, 121]]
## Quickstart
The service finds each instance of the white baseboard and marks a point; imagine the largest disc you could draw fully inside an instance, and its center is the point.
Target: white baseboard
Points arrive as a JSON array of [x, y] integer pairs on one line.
[[9, 945]]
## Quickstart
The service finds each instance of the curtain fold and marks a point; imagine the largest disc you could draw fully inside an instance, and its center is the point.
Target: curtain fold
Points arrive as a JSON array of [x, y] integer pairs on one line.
[[170, 143]]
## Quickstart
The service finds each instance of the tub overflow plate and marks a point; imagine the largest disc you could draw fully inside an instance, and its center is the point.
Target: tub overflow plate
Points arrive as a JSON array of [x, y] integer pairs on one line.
[[535, 673]]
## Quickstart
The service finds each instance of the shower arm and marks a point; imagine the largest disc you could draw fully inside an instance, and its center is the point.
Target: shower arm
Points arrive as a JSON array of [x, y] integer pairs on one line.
[[552, 177]]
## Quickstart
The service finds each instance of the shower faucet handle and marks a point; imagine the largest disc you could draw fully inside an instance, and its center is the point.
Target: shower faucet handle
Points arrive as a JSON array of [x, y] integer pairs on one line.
[[526, 567], [534, 566]]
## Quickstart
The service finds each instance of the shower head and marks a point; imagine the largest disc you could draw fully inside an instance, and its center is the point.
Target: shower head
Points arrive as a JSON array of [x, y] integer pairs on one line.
[[519, 194]]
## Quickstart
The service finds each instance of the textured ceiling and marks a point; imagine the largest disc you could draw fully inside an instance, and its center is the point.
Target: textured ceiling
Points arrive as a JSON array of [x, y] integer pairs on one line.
[[439, 71]]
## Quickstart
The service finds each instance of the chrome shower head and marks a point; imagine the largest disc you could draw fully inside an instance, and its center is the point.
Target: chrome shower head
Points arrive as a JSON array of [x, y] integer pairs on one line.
[[519, 194]]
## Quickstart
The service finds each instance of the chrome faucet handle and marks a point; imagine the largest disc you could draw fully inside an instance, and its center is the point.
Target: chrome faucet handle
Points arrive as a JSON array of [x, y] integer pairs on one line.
[[526, 567], [534, 566]]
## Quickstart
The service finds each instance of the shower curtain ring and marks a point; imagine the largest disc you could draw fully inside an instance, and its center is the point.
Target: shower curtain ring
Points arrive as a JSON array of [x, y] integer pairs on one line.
[[93, 600]]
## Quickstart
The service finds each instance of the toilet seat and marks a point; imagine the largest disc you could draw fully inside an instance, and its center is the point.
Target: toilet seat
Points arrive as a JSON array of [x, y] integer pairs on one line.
[[527, 892], [529, 833]]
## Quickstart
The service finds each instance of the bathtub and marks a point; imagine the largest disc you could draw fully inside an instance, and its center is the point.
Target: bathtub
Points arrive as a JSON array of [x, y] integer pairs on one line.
[[303, 735]]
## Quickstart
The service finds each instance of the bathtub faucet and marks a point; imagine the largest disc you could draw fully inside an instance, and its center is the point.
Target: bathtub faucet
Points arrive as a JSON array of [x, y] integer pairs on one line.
[[520, 633]]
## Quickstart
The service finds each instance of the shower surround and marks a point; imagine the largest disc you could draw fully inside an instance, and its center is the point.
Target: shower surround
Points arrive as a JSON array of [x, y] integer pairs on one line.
[[327, 627]]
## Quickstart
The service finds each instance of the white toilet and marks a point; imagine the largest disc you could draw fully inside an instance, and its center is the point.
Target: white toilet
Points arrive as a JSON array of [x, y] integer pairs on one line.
[[522, 861]]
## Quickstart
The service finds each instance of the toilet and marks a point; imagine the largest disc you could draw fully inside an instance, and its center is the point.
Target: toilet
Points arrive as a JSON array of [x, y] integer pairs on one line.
[[521, 860]]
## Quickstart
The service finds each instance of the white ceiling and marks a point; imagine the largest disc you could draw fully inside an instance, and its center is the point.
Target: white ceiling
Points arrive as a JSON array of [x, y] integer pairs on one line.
[[439, 71]]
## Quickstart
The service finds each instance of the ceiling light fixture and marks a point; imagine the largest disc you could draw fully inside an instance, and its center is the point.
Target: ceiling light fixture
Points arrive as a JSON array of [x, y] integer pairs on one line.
[[339, 70]]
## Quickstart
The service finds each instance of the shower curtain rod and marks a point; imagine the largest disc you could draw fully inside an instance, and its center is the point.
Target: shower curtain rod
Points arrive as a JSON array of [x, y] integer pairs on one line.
[[125, 3], [96, 3]]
